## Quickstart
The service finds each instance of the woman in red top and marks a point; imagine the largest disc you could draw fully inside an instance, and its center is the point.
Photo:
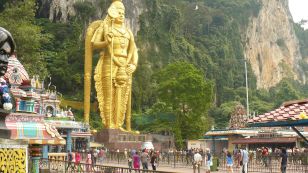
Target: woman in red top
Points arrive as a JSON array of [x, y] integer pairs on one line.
[[77, 163], [136, 161]]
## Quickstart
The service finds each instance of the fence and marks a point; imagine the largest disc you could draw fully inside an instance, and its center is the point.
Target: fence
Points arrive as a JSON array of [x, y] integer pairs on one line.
[[270, 164], [60, 166]]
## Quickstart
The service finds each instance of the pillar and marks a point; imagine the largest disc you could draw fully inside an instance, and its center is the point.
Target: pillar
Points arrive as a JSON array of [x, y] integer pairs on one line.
[[69, 140], [45, 152], [35, 157]]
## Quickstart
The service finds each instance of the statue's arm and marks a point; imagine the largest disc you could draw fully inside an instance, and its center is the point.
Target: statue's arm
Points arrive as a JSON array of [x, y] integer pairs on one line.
[[133, 50], [98, 42], [133, 55]]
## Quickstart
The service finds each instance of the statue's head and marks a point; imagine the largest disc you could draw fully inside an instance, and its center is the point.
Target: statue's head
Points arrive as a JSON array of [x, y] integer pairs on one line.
[[7, 48], [117, 11]]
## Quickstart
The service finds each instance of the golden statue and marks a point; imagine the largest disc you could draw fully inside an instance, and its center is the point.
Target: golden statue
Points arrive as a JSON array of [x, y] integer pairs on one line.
[[113, 73]]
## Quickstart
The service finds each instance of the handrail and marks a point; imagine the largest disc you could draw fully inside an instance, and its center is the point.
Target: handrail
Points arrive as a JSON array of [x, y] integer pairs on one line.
[[66, 167]]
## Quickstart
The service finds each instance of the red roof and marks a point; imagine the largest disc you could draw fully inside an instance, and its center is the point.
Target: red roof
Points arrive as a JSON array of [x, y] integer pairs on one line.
[[264, 141], [288, 111]]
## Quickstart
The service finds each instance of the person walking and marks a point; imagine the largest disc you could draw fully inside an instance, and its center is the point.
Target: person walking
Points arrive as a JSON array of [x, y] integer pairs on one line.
[[208, 161], [136, 161], [78, 160], [154, 161], [229, 162], [284, 160], [144, 159], [130, 163], [70, 160], [88, 162], [197, 161], [101, 156], [244, 159]]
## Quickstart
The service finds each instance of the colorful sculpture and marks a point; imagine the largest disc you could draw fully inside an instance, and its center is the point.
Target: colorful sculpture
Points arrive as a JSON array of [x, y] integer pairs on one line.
[[7, 48], [113, 73], [4, 92]]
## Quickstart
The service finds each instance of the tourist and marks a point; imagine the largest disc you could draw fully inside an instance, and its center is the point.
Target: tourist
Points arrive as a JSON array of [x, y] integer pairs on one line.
[[88, 162], [244, 160], [153, 161], [136, 161], [229, 162], [70, 160], [144, 159], [78, 160], [125, 153], [284, 160], [101, 156], [94, 156], [208, 161], [130, 163], [265, 156], [197, 161]]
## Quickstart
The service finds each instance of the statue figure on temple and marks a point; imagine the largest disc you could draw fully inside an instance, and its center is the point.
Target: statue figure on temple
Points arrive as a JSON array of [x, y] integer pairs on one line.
[[113, 73], [7, 48]]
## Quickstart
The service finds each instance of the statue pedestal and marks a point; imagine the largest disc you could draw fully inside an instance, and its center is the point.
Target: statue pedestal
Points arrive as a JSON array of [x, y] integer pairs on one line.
[[114, 139]]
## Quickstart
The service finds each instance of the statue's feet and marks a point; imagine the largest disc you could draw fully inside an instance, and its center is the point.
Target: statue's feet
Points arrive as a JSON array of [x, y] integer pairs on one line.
[[129, 130]]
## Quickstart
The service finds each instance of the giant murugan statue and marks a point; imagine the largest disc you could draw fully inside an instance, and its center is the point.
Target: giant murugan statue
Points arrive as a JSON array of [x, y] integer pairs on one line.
[[113, 73]]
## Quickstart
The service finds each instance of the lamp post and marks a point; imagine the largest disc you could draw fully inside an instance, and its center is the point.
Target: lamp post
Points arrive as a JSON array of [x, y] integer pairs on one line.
[[247, 102]]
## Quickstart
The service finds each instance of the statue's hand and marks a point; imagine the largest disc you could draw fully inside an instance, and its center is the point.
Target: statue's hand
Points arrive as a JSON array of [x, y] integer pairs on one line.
[[130, 68], [109, 37]]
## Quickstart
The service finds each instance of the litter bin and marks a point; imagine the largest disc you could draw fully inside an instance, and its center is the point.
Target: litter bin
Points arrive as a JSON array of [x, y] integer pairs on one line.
[[214, 166]]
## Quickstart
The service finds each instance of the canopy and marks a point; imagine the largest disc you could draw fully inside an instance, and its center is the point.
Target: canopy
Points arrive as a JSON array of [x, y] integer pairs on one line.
[[264, 141], [95, 145]]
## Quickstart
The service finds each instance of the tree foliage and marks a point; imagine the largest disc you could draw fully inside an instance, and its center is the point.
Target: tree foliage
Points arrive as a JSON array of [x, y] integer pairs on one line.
[[19, 18], [183, 88]]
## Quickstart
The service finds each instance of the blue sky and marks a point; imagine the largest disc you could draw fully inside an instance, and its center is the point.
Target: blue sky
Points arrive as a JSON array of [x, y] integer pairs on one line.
[[299, 10]]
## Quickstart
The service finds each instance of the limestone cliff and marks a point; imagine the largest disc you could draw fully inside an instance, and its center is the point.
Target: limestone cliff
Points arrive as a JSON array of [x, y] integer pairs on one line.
[[271, 44], [62, 10]]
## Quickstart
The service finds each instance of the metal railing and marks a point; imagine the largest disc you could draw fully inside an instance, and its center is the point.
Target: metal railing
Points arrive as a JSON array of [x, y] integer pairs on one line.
[[270, 164], [60, 166]]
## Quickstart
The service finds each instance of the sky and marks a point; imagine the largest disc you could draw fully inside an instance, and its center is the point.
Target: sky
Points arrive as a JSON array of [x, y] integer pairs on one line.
[[299, 10]]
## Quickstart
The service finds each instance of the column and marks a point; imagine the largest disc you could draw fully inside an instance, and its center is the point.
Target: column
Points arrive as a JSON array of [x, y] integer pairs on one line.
[[45, 152], [35, 156], [69, 140]]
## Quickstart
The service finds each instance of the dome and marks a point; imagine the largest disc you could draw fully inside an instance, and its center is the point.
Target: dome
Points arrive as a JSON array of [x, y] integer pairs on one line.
[[16, 72]]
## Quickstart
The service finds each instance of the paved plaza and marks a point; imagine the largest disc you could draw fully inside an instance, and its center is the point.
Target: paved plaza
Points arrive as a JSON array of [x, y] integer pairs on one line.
[[167, 168]]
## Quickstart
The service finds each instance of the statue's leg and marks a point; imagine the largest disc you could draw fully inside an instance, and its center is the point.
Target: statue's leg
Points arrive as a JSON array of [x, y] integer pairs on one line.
[[107, 110], [128, 112], [117, 107]]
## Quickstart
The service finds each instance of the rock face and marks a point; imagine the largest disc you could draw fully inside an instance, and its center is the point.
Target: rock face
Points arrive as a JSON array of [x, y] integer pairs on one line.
[[271, 45], [62, 10]]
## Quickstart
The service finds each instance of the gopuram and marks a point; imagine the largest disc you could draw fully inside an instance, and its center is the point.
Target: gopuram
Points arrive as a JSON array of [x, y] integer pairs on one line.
[[113, 74], [33, 125]]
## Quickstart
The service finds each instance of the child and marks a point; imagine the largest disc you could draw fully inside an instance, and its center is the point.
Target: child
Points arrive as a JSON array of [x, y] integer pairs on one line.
[[130, 163], [229, 162]]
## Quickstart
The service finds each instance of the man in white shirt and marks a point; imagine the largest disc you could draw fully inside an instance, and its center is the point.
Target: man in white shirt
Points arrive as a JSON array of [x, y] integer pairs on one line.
[[197, 161], [245, 158]]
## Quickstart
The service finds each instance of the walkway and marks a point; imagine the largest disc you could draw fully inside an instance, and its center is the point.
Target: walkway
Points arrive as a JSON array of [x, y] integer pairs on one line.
[[166, 168]]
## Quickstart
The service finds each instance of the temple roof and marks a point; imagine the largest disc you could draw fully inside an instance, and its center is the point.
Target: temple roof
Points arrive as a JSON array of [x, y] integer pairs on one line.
[[292, 111], [15, 64]]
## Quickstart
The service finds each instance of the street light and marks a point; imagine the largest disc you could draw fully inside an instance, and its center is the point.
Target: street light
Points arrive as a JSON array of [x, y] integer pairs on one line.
[[247, 102]]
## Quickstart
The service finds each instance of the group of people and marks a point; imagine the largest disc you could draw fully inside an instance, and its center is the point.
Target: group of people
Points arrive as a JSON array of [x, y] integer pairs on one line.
[[241, 157], [197, 161], [92, 158], [136, 159]]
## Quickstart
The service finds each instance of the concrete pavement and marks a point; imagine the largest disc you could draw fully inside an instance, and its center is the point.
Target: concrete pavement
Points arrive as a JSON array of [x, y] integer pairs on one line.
[[166, 168]]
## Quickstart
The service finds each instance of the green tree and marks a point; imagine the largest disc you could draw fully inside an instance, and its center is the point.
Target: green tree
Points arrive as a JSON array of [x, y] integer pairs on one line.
[[18, 17], [284, 91], [183, 88]]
